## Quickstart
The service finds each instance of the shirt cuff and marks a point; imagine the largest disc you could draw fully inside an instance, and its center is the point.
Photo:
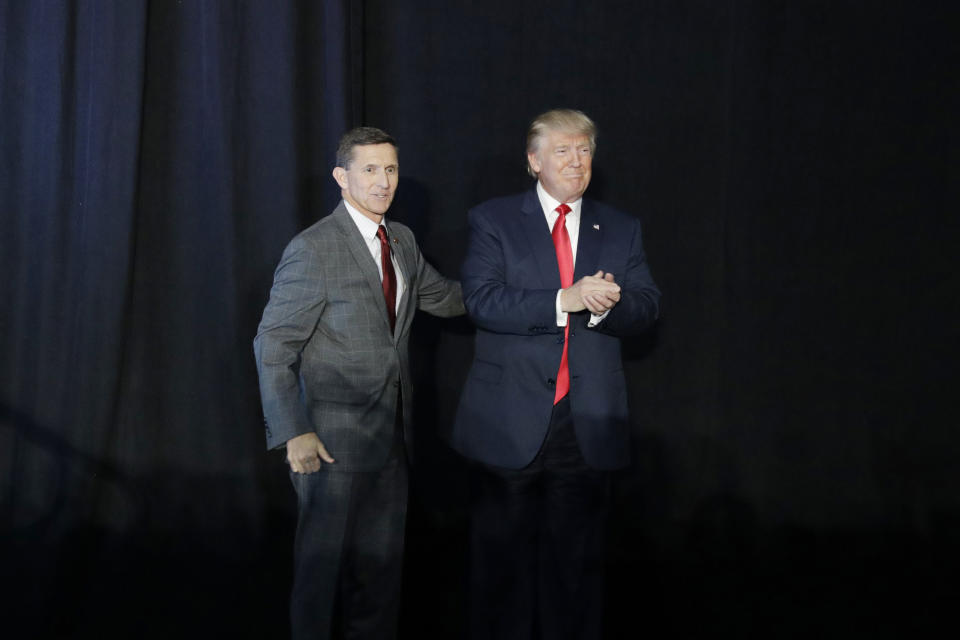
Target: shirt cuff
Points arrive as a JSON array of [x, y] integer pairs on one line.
[[595, 319], [561, 315]]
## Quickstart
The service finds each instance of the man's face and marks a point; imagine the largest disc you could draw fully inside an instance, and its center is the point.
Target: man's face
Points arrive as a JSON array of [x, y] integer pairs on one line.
[[371, 179], [563, 164]]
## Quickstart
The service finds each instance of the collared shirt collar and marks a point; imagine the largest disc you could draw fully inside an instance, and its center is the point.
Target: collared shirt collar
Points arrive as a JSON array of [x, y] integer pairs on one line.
[[368, 228], [549, 204]]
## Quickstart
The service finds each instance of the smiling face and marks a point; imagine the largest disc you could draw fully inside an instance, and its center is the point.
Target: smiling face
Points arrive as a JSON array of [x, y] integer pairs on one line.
[[563, 163], [369, 180]]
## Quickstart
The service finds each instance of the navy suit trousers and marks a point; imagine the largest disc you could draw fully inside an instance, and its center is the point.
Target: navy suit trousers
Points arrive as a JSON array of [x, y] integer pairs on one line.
[[537, 544]]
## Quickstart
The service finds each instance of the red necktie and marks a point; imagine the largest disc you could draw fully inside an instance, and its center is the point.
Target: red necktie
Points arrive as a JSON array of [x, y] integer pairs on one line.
[[389, 277], [561, 242]]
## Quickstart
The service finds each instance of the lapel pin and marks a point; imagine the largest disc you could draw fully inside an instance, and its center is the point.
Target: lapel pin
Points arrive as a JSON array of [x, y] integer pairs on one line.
[[597, 227]]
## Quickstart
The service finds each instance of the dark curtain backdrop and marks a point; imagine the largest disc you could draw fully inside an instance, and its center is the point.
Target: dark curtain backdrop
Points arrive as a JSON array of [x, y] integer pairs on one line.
[[795, 168]]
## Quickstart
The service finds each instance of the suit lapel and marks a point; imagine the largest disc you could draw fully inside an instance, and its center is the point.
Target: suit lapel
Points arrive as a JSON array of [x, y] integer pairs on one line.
[[541, 244], [361, 254], [588, 251], [588, 242]]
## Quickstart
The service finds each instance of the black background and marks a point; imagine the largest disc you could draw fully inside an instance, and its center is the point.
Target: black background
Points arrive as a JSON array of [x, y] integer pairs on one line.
[[795, 168]]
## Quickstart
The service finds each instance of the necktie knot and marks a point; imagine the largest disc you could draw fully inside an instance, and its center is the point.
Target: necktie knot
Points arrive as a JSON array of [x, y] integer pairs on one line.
[[382, 234], [563, 209]]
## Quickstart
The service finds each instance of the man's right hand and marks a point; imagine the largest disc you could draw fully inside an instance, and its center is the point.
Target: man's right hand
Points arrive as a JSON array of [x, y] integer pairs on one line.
[[305, 452], [597, 293]]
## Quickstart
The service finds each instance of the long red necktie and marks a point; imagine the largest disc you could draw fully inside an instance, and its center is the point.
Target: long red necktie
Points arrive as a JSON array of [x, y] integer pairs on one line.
[[389, 277], [561, 242]]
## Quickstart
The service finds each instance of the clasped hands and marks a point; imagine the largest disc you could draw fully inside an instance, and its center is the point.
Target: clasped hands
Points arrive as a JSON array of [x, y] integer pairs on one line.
[[597, 294]]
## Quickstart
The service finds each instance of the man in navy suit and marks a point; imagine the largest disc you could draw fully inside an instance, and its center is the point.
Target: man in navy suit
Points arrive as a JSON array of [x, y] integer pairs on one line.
[[552, 281]]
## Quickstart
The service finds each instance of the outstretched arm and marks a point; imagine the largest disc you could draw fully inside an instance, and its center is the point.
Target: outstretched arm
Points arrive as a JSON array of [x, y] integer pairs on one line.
[[436, 294]]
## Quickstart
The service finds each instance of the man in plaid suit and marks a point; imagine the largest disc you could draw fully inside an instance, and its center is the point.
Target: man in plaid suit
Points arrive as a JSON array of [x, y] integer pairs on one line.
[[332, 355]]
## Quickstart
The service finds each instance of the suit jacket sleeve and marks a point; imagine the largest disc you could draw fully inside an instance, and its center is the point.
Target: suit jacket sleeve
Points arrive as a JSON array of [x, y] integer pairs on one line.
[[493, 304], [436, 294], [639, 304], [297, 300]]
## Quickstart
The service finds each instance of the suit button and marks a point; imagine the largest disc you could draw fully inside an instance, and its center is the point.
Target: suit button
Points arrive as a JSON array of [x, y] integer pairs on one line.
[[551, 381]]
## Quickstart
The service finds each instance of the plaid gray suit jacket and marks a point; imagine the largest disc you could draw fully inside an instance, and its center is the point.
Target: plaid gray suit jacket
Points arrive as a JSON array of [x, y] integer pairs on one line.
[[325, 355]]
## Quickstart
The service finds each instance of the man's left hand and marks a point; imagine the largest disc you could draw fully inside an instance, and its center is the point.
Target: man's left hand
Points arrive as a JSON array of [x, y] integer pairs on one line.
[[599, 302]]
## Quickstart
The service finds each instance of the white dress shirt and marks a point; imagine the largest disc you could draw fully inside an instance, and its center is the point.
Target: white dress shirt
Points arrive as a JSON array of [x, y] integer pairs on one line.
[[572, 223], [368, 229]]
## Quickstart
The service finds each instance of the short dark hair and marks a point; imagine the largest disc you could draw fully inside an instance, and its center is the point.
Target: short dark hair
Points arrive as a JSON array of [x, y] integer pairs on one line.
[[358, 137]]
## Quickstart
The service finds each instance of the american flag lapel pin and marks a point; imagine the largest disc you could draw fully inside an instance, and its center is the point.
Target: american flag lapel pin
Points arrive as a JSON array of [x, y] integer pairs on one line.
[[597, 227]]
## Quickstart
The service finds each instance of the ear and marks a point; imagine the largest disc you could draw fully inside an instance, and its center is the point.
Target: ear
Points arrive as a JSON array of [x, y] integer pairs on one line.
[[340, 175], [533, 162]]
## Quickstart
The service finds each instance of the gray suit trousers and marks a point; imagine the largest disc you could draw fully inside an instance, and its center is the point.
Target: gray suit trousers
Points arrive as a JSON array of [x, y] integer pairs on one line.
[[349, 551]]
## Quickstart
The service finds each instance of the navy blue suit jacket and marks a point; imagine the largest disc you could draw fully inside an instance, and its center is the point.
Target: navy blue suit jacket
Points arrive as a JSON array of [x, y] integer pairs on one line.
[[510, 281]]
